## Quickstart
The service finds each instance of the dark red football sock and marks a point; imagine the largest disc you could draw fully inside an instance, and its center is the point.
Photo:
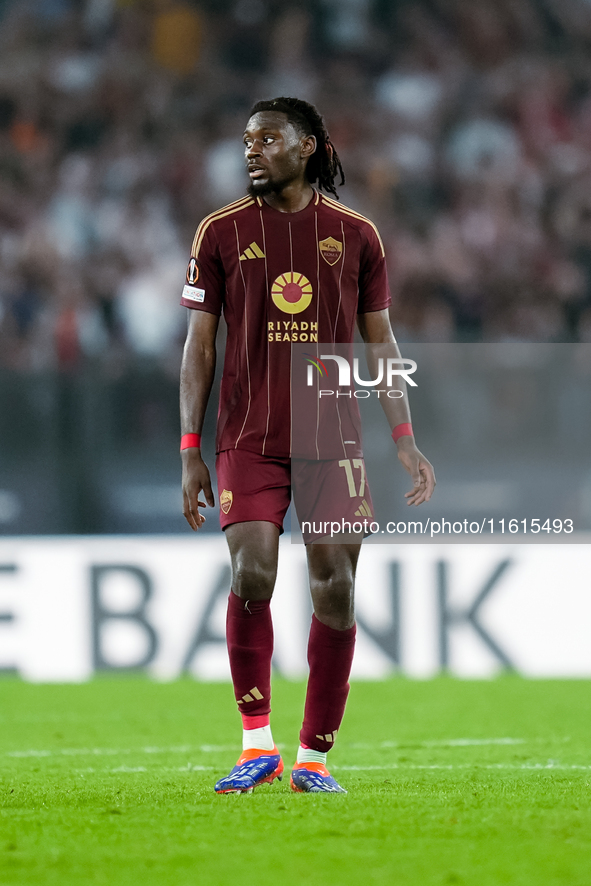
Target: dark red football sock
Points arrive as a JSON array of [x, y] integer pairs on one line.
[[249, 634], [330, 654]]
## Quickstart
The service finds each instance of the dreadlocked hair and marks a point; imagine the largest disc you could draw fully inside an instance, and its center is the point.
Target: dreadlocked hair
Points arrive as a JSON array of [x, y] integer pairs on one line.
[[324, 164]]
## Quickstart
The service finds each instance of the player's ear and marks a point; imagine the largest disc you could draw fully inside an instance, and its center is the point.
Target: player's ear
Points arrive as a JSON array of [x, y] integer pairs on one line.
[[308, 143]]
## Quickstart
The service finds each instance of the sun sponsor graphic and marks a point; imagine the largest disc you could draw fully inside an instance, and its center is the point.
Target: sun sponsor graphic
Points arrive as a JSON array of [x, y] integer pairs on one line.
[[292, 292], [388, 370]]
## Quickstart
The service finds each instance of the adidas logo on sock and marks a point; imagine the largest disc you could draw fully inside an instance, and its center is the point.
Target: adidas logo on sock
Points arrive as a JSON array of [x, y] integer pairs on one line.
[[331, 736], [253, 695], [363, 510], [252, 251]]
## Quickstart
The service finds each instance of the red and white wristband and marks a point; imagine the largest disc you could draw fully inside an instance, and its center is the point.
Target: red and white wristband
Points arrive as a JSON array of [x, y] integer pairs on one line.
[[190, 441], [402, 430]]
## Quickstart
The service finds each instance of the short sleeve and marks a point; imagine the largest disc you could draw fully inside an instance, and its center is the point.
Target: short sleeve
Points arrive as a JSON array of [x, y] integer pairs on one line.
[[374, 292], [205, 283]]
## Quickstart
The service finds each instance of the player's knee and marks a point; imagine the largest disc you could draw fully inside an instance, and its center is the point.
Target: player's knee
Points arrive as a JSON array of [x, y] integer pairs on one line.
[[333, 600], [253, 579]]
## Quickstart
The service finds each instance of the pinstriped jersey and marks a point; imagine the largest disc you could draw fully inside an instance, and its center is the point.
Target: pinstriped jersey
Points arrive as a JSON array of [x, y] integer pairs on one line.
[[279, 278]]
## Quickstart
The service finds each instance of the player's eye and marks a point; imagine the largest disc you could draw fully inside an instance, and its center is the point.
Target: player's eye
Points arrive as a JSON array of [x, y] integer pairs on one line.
[[268, 138]]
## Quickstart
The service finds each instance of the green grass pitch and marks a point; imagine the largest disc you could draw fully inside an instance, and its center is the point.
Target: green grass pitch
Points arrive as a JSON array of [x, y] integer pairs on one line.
[[450, 782]]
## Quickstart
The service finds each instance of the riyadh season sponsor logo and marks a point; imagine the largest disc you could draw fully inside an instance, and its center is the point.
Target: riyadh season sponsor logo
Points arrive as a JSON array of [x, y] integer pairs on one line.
[[292, 331], [388, 369]]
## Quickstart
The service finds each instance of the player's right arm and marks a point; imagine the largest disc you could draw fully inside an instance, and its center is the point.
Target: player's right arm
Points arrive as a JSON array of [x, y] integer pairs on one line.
[[374, 325], [197, 373]]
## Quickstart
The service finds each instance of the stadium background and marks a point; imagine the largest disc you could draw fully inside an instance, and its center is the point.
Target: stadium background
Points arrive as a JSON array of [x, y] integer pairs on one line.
[[464, 129]]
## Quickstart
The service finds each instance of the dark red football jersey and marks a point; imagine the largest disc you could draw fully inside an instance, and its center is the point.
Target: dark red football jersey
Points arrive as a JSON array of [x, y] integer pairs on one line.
[[280, 278]]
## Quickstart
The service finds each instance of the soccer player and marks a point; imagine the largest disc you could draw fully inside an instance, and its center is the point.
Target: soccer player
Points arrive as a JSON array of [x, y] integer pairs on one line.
[[284, 263]]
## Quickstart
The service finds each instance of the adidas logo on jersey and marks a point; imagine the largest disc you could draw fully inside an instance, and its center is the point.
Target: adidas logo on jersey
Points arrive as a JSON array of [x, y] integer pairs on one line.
[[364, 510], [252, 251]]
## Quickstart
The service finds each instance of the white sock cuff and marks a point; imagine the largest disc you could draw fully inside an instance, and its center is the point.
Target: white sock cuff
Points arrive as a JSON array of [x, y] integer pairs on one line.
[[258, 738], [307, 755]]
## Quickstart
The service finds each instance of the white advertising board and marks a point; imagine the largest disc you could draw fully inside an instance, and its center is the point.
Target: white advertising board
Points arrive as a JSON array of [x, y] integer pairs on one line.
[[72, 606]]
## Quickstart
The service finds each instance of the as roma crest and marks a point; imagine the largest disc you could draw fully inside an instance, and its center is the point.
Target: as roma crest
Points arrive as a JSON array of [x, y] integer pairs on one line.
[[330, 250], [226, 499]]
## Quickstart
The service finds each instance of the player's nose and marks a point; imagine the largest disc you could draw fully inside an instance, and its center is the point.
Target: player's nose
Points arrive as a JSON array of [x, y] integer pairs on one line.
[[254, 150]]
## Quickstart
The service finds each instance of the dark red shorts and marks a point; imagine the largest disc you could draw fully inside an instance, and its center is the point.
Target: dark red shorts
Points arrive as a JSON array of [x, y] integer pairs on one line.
[[326, 493]]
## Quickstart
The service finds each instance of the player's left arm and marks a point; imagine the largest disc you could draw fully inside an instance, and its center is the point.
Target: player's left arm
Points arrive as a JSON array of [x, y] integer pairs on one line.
[[375, 329]]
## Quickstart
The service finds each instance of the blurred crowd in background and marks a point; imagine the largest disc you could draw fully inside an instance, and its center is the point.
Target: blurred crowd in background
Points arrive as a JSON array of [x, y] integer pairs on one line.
[[464, 127]]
